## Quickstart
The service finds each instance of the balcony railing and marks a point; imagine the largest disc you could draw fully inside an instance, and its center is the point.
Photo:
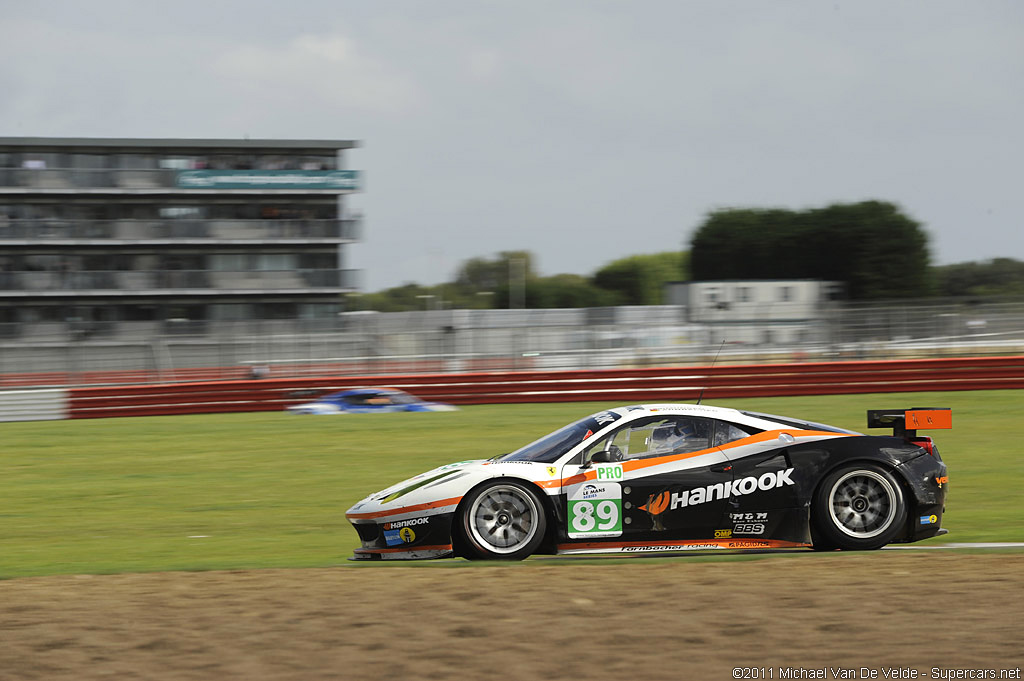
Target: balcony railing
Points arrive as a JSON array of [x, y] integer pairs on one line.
[[159, 230], [55, 179], [97, 282]]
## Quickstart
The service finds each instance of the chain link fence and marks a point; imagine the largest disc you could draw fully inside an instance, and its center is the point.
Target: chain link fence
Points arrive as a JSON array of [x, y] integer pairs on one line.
[[368, 343]]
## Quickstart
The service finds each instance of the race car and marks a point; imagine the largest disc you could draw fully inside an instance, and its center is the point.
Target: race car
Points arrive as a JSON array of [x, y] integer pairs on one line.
[[367, 401], [671, 477]]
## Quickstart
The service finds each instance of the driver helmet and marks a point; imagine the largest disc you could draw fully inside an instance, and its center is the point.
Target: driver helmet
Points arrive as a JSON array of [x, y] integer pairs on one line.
[[686, 430]]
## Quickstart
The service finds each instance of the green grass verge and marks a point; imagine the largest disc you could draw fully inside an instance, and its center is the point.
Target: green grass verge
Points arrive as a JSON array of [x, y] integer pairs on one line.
[[261, 490]]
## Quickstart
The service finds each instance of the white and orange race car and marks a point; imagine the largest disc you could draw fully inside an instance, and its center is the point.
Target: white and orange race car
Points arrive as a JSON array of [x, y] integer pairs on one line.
[[671, 477]]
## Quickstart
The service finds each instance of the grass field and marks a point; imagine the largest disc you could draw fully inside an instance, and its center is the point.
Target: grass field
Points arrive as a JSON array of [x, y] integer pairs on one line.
[[259, 490]]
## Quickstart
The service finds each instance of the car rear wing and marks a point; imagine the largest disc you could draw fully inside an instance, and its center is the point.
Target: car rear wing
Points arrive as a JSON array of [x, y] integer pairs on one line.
[[906, 422]]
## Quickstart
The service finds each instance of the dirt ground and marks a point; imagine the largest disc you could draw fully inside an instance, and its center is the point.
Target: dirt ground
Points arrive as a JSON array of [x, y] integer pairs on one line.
[[546, 619]]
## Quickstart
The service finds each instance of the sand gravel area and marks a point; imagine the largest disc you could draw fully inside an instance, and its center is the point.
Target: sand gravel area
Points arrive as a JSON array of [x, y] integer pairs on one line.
[[682, 618]]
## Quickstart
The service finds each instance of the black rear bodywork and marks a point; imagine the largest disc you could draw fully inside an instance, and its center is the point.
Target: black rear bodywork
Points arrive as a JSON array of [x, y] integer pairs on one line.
[[783, 512]]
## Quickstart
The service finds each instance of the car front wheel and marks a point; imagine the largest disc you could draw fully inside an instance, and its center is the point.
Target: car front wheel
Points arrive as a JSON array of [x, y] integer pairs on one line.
[[503, 520], [858, 507]]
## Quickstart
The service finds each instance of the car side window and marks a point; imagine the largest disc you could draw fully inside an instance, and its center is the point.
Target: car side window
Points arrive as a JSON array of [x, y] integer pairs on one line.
[[726, 432], [655, 436], [616, 444], [680, 435]]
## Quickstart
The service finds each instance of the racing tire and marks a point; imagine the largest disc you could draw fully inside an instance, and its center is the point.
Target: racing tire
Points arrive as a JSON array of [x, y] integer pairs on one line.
[[502, 520], [858, 507]]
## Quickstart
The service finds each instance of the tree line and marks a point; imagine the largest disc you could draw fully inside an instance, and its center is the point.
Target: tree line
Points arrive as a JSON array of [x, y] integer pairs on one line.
[[872, 247], [510, 279]]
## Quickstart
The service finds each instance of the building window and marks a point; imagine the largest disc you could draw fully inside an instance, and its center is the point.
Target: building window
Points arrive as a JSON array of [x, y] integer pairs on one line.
[[135, 162], [177, 163], [180, 212], [88, 161], [744, 294], [785, 294]]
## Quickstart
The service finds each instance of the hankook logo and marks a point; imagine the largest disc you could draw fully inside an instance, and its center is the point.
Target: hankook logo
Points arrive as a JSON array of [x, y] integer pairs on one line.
[[733, 488], [406, 523]]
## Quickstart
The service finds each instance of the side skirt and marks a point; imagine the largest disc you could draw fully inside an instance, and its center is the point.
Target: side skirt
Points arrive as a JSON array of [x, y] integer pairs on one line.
[[399, 553], [681, 545]]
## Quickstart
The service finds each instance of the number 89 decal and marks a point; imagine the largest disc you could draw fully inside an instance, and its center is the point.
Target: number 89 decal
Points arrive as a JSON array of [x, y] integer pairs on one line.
[[595, 510]]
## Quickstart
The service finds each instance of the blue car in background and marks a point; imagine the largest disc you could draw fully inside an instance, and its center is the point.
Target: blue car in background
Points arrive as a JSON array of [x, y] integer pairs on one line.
[[367, 401]]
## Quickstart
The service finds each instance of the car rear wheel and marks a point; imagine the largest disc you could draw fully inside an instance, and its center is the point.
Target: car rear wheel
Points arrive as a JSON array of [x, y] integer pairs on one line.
[[502, 520], [858, 506]]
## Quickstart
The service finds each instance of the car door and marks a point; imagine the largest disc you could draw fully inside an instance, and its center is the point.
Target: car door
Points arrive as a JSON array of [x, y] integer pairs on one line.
[[645, 482], [765, 495]]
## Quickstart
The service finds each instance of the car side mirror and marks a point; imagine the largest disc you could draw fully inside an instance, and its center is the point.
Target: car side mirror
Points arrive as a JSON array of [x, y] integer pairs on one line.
[[601, 456]]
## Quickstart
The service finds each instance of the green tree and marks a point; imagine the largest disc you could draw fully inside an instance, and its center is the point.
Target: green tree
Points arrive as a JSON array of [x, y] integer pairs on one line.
[[487, 274], [872, 247], [397, 299], [509, 280], [641, 279], [502, 280], [1001, 276], [566, 290]]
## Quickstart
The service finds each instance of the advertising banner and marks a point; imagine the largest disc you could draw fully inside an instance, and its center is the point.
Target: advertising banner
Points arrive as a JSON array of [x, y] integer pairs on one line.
[[345, 180]]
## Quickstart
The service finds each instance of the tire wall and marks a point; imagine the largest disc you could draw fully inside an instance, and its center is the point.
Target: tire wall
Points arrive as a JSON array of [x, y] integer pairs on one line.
[[625, 386], [34, 405]]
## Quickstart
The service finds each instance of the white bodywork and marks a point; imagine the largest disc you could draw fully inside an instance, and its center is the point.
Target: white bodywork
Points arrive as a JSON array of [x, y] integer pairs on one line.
[[320, 408], [440, 490], [315, 408]]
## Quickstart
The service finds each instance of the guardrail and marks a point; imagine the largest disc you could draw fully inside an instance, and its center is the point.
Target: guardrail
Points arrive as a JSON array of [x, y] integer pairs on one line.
[[665, 384], [34, 405]]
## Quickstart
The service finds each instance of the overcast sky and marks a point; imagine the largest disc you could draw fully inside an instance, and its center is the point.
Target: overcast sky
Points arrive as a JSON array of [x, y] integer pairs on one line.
[[580, 130]]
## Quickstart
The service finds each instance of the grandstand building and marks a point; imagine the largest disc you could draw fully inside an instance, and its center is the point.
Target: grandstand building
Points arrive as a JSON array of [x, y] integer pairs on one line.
[[172, 234]]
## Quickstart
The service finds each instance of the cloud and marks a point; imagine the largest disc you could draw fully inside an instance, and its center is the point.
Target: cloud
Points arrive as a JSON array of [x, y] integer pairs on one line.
[[573, 129], [318, 70]]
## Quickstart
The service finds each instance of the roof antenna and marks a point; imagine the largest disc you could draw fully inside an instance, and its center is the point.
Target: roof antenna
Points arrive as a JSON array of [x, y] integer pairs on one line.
[[703, 387]]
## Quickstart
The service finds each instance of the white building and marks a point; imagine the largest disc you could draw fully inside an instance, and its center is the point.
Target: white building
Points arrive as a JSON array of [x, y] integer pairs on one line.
[[757, 312], [172, 234]]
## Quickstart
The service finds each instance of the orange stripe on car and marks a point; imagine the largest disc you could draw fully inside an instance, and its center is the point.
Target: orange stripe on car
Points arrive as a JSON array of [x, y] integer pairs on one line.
[[405, 509], [636, 464]]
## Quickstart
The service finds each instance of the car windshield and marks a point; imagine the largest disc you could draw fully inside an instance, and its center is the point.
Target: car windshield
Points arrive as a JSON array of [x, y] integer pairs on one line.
[[550, 447]]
